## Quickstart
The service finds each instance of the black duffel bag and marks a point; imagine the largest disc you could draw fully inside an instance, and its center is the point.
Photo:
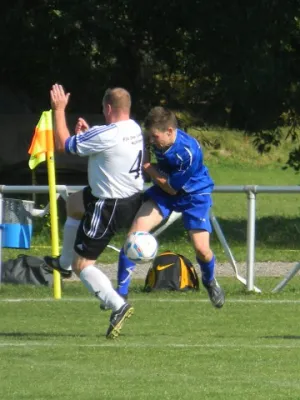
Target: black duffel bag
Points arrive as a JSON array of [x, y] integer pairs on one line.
[[26, 270]]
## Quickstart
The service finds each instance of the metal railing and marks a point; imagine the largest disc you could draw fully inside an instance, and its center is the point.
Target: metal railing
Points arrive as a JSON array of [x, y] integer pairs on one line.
[[250, 190]]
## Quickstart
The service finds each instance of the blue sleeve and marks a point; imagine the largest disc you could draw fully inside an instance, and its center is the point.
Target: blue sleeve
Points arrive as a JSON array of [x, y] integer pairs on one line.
[[70, 145], [186, 164]]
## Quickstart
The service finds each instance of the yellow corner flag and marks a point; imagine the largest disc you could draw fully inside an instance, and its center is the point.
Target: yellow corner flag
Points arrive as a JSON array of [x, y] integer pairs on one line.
[[40, 143], [42, 148]]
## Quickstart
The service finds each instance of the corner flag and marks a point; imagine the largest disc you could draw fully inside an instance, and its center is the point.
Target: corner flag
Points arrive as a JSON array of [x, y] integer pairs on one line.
[[40, 143], [42, 149]]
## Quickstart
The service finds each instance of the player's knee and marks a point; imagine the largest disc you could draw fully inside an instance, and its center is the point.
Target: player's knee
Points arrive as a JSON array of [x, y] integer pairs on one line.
[[205, 254], [79, 264], [77, 268]]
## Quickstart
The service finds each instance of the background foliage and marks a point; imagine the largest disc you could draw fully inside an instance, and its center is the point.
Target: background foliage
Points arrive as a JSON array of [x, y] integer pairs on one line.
[[233, 64]]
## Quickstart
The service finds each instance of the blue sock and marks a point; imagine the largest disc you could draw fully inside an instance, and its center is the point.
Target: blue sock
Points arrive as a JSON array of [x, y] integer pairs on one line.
[[125, 269], [207, 269]]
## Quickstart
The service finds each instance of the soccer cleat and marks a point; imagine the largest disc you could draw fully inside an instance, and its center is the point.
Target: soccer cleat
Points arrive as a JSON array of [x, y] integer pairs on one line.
[[215, 293], [117, 319], [104, 307], [53, 263]]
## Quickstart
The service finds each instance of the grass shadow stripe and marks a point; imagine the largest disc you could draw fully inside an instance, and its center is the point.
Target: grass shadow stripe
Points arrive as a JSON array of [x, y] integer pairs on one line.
[[151, 345], [155, 300]]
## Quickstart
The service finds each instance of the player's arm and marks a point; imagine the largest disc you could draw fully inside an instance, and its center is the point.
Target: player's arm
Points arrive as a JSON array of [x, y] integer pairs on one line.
[[158, 178], [59, 100]]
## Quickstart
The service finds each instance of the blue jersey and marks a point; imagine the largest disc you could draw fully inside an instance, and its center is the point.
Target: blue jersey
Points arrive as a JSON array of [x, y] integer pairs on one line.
[[183, 163]]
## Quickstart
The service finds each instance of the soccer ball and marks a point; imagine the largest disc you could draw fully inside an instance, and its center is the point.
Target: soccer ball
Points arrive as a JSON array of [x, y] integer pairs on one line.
[[141, 247]]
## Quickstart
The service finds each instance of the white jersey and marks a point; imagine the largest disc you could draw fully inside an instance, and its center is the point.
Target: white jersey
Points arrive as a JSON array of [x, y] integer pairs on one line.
[[115, 154]]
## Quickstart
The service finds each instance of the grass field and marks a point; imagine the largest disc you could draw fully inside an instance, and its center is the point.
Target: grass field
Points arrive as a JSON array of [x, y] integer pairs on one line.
[[176, 346]]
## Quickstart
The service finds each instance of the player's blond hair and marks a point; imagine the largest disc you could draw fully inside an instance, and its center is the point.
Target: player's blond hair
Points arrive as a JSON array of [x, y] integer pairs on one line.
[[117, 98]]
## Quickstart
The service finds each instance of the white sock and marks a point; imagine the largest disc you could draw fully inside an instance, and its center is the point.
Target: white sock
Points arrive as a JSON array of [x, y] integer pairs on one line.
[[67, 254], [98, 283]]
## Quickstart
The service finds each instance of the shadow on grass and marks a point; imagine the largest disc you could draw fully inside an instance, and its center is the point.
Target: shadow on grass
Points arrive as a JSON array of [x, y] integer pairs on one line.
[[29, 335], [279, 232], [282, 337]]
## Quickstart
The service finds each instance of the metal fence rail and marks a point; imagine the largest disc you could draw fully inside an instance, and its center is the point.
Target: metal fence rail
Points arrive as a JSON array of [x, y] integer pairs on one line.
[[249, 190]]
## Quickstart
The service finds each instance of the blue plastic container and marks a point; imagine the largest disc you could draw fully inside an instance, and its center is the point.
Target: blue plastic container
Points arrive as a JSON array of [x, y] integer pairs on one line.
[[17, 223]]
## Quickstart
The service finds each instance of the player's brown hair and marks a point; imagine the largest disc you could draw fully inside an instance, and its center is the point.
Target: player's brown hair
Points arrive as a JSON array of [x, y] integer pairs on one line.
[[160, 118]]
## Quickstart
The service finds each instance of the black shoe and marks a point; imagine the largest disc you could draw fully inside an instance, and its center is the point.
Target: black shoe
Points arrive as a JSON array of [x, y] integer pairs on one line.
[[104, 307], [215, 293], [53, 263], [117, 319]]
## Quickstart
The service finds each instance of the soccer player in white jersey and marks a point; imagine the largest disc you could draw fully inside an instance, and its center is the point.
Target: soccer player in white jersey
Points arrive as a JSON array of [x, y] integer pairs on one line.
[[181, 183], [111, 199]]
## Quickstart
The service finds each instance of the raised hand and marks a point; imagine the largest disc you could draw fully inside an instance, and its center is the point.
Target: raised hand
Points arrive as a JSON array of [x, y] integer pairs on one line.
[[59, 99]]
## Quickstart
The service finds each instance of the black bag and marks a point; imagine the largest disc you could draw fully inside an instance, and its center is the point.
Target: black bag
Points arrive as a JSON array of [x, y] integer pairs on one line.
[[171, 271], [26, 270]]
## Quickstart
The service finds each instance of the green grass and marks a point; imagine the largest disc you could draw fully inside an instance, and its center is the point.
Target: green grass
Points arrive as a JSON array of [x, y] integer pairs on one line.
[[176, 346], [235, 147], [235, 162]]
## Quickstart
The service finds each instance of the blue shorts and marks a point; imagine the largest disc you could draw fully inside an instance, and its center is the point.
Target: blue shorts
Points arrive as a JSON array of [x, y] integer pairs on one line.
[[194, 207]]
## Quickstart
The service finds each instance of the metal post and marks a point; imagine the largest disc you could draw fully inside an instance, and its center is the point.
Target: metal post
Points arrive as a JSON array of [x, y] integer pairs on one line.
[[228, 252], [251, 240]]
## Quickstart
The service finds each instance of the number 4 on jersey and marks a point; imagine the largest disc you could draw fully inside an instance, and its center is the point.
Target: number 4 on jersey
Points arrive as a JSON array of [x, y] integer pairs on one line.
[[136, 166]]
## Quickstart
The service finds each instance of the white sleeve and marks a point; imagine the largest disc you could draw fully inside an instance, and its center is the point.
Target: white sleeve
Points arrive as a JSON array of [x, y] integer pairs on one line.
[[94, 140]]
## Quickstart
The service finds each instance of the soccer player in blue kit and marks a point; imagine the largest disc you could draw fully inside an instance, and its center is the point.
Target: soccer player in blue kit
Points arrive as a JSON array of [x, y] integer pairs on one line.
[[181, 183]]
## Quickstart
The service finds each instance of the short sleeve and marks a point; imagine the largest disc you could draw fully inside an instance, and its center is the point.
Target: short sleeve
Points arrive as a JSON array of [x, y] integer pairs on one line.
[[94, 140]]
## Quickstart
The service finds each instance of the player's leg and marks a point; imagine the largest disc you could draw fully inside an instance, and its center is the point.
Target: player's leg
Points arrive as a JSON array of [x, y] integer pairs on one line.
[[204, 254], [157, 206], [196, 221], [94, 233], [206, 260], [151, 213], [96, 282], [100, 286], [146, 219], [75, 211], [124, 215]]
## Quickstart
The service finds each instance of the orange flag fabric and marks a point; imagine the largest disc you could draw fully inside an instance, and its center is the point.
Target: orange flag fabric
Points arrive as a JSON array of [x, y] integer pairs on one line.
[[42, 141]]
